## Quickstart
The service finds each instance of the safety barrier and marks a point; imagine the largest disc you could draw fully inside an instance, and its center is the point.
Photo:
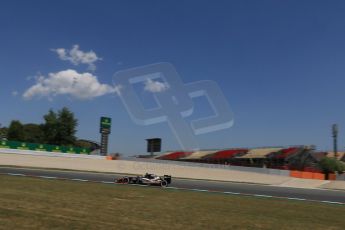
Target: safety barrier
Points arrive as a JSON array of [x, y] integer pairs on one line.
[[213, 166], [341, 177], [311, 175], [42, 147], [49, 154], [280, 172], [332, 176]]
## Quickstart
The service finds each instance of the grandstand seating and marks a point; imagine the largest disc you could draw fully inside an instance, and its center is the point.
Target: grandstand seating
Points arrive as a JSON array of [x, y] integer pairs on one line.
[[225, 154], [259, 153], [198, 156], [293, 158], [340, 155], [284, 153], [174, 155], [301, 158], [254, 158]]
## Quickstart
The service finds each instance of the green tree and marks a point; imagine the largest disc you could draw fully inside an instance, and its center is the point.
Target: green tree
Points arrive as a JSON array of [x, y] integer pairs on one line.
[[331, 165], [33, 133], [67, 127], [50, 127], [60, 128], [3, 133], [16, 131]]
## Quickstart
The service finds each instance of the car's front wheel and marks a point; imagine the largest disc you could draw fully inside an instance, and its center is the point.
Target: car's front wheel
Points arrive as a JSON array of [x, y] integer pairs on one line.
[[164, 183]]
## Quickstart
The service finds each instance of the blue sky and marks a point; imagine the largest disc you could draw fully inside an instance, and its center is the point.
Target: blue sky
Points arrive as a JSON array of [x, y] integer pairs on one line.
[[280, 64]]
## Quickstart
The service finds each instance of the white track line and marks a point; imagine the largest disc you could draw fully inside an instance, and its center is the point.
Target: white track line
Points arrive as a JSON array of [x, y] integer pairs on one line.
[[48, 177], [15, 174], [258, 195], [106, 182], [232, 193], [293, 198], [331, 202], [76, 179]]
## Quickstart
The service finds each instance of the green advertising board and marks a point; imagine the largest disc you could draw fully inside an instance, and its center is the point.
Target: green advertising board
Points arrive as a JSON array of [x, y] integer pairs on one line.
[[105, 130], [105, 122], [105, 125], [42, 147]]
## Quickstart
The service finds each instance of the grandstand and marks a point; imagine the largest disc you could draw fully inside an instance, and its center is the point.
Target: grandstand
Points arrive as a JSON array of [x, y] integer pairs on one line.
[[223, 156], [174, 155], [255, 157], [292, 157], [289, 158], [197, 156], [340, 155]]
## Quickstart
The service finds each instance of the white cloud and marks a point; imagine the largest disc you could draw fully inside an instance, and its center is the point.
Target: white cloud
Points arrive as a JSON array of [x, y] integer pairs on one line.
[[14, 93], [77, 56], [69, 82], [155, 86]]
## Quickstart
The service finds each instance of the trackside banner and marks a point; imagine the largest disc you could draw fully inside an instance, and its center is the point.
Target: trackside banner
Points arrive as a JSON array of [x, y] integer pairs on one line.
[[42, 147]]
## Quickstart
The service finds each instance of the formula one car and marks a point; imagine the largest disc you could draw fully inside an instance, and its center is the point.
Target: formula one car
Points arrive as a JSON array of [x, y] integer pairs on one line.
[[147, 179]]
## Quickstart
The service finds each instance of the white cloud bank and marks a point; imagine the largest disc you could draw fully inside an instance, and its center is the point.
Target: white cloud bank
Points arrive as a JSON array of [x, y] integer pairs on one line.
[[155, 86], [77, 56], [69, 82]]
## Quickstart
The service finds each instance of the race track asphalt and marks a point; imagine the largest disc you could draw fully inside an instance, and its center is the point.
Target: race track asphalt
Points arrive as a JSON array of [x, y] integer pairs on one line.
[[320, 195]]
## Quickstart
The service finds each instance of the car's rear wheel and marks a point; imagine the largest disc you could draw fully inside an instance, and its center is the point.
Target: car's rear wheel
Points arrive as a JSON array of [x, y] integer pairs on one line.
[[164, 183], [125, 180]]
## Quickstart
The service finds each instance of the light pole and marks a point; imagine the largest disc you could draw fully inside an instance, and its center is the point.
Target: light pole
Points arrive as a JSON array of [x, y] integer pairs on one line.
[[335, 137]]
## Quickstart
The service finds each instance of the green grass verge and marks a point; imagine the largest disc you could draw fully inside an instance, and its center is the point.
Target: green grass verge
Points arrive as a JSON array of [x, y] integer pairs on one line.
[[29, 203]]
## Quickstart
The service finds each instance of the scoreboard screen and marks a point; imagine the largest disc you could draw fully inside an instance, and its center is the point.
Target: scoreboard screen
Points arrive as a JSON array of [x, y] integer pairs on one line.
[[154, 145]]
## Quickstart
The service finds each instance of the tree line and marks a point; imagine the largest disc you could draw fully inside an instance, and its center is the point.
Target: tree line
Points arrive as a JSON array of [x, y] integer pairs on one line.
[[59, 128]]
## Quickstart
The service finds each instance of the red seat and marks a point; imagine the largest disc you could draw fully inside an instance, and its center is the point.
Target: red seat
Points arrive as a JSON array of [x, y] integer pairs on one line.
[[286, 152], [225, 154], [174, 155]]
